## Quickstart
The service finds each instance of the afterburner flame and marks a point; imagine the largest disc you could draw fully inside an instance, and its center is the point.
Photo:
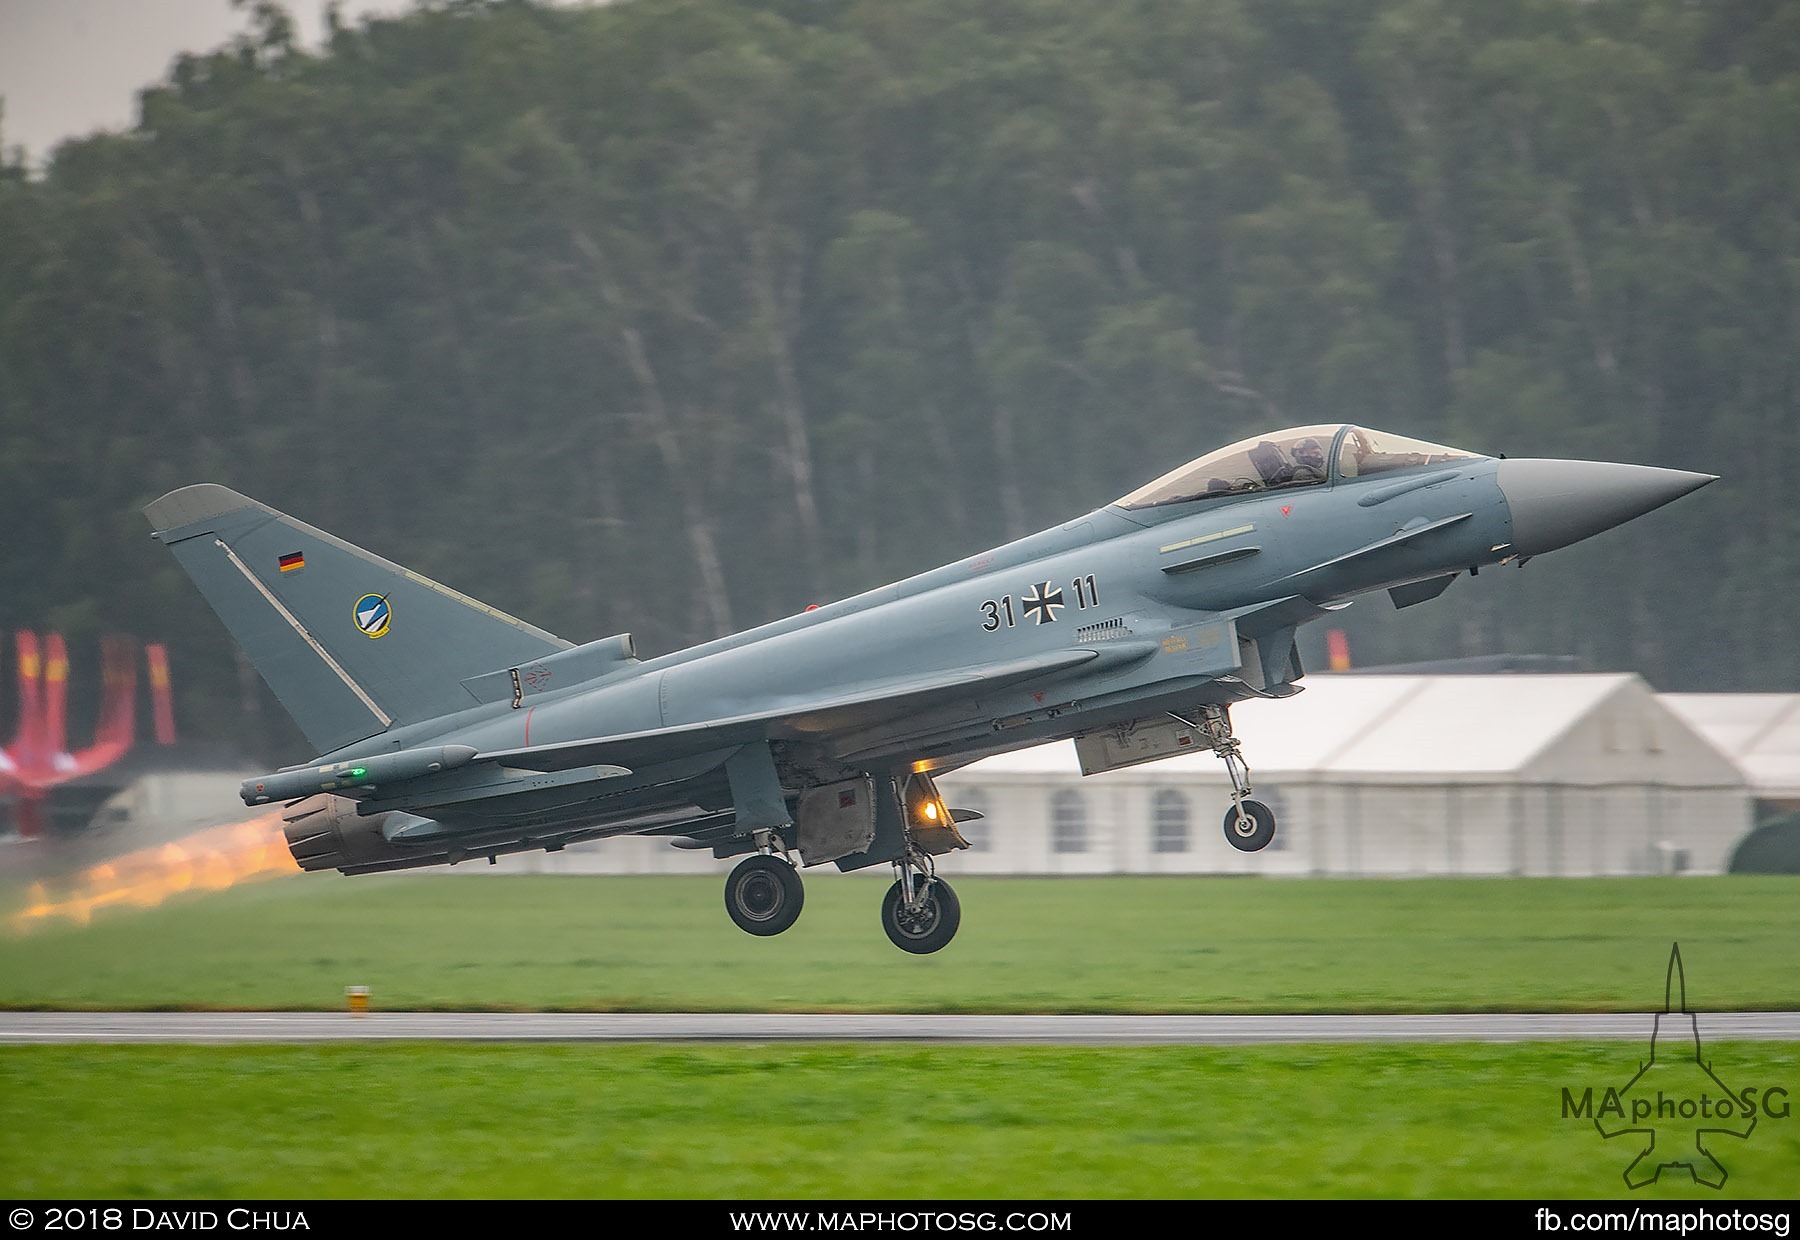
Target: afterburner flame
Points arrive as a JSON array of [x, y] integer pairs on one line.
[[208, 860]]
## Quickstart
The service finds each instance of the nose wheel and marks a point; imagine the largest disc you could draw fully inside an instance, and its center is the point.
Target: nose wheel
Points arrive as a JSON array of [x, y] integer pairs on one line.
[[764, 895], [1249, 825]]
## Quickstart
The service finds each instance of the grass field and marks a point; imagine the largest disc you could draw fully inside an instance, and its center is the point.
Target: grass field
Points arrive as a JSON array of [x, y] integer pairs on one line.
[[842, 1122], [1027, 945], [837, 1122]]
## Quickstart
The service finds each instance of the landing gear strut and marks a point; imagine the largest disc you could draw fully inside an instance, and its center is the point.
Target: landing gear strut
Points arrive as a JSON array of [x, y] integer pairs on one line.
[[764, 895], [1249, 825], [920, 912]]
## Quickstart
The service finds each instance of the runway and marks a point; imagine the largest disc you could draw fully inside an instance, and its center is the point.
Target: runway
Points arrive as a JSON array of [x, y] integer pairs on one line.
[[211, 1028]]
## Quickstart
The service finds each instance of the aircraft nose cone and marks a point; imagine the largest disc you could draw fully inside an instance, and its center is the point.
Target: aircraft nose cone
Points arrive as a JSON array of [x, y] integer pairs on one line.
[[1555, 503]]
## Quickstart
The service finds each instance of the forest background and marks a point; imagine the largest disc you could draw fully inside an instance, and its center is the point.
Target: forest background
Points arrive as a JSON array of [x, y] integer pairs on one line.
[[675, 316]]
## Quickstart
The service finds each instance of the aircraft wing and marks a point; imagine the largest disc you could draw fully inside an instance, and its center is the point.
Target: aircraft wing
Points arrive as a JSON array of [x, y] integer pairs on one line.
[[793, 719]]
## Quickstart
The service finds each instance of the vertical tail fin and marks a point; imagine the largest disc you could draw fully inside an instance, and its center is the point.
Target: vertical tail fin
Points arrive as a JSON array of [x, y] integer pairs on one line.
[[350, 643]]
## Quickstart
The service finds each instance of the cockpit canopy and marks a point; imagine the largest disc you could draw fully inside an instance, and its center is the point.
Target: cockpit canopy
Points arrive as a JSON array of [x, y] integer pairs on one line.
[[1303, 456]]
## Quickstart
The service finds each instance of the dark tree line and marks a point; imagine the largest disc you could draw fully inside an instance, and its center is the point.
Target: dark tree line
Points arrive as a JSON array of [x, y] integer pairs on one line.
[[677, 315]]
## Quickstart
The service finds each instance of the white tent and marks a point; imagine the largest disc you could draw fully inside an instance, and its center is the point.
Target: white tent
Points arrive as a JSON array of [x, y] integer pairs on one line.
[[1505, 774], [1760, 732]]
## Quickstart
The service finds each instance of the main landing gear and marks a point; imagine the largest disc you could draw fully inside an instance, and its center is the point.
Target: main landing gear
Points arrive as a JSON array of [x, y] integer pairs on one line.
[[764, 894], [909, 825], [920, 912], [1249, 825]]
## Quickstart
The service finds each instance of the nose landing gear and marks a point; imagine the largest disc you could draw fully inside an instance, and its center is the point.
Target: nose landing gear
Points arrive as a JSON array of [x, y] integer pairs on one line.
[[1249, 825]]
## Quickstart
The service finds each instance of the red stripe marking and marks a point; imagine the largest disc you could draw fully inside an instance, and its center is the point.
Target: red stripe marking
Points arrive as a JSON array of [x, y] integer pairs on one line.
[[528, 725]]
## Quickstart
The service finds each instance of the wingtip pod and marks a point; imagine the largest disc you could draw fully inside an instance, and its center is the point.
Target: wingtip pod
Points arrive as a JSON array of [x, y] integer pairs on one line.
[[1555, 503], [355, 774]]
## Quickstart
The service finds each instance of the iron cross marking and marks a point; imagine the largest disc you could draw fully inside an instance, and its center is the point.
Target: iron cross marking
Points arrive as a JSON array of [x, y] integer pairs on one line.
[[1042, 603]]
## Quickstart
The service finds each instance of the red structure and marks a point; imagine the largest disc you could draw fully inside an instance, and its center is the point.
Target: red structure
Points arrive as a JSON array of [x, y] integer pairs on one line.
[[38, 758]]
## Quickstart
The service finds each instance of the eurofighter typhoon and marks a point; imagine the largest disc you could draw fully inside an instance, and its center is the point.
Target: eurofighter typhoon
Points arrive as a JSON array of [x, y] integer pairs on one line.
[[448, 730]]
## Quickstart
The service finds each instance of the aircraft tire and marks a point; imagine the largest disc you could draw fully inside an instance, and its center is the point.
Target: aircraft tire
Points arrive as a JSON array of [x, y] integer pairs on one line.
[[1261, 827], [764, 895], [927, 930]]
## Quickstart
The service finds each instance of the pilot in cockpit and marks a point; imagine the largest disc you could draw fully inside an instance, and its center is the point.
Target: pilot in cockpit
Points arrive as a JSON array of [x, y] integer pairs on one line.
[[1302, 461], [1309, 460]]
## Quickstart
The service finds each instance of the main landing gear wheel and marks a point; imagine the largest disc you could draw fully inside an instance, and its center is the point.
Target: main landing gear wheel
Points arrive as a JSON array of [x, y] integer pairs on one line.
[[927, 927], [764, 895], [1249, 826]]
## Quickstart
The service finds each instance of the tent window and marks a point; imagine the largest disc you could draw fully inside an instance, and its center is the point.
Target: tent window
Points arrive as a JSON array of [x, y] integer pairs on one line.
[[975, 830], [1068, 823], [1169, 822]]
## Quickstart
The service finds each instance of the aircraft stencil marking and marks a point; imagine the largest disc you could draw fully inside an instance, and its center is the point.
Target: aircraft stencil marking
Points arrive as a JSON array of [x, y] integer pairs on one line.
[[815, 738]]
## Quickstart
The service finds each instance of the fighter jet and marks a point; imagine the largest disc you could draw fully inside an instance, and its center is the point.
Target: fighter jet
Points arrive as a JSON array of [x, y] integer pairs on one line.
[[449, 731]]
